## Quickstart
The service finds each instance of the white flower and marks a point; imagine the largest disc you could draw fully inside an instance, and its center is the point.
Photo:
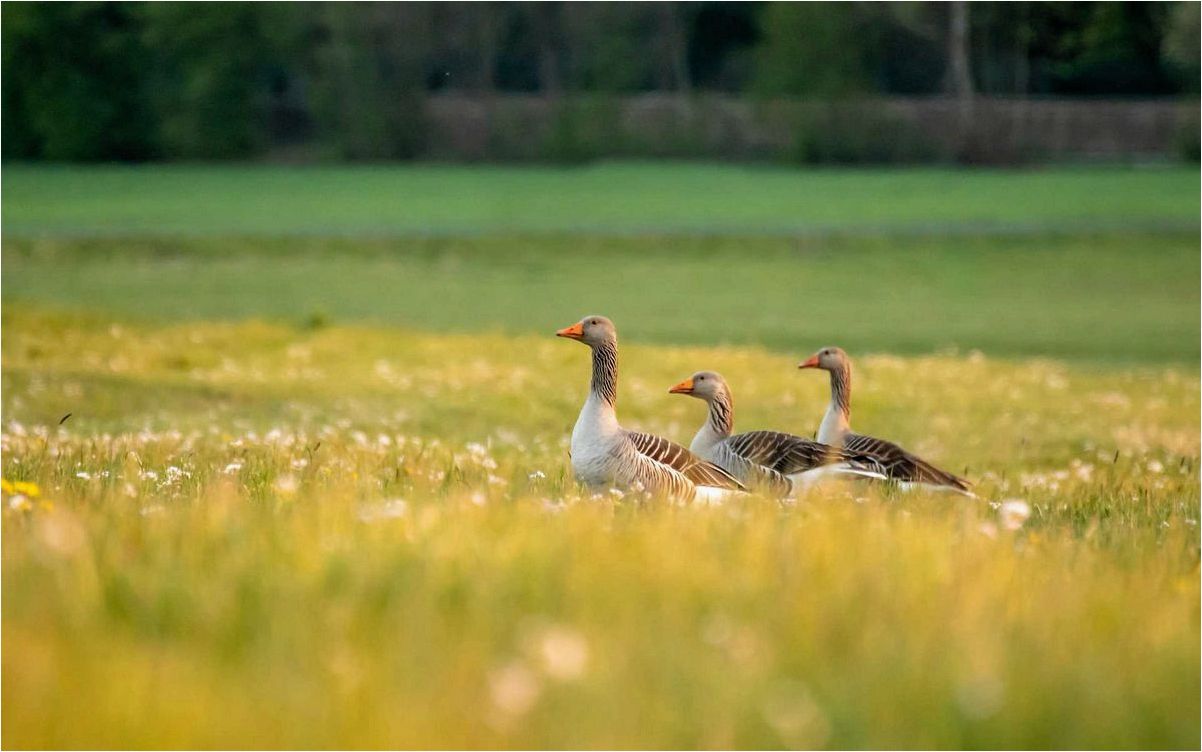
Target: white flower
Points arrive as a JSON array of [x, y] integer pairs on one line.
[[514, 689], [286, 485], [1013, 513], [232, 468], [390, 509], [1154, 466], [83, 475], [537, 475], [563, 652], [479, 499]]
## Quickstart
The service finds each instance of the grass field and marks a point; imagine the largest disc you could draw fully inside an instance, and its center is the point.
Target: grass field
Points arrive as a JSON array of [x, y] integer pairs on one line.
[[314, 491], [606, 199]]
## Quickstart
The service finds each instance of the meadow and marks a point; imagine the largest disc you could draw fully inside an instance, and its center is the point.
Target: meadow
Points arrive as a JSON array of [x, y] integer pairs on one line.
[[313, 491]]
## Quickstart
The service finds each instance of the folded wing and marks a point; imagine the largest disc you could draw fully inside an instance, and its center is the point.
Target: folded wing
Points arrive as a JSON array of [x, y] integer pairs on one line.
[[898, 464], [680, 459]]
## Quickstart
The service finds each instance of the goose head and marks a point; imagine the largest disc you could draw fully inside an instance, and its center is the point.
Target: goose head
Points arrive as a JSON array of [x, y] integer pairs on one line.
[[705, 385], [593, 331], [828, 359]]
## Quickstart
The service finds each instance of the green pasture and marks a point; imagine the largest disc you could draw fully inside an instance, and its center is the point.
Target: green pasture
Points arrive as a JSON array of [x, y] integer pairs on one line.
[[616, 198]]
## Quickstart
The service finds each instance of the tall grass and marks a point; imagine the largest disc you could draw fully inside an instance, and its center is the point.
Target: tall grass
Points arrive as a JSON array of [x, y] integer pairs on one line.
[[258, 535]]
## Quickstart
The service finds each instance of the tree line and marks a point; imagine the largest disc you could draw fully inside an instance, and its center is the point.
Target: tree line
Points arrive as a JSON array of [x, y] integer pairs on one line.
[[134, 81]]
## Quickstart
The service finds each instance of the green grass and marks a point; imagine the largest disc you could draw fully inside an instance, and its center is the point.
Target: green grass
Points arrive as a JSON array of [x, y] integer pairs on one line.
[[606, 198], [285, 459], [1123, 297], [370, 539]]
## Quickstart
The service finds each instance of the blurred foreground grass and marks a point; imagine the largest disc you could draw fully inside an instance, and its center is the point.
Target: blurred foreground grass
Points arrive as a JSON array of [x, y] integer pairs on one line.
[[252, 534]]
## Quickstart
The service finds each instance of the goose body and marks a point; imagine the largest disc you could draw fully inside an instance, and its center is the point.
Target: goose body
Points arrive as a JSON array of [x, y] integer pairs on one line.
[[605, 455], [779, 463], [908, 470]]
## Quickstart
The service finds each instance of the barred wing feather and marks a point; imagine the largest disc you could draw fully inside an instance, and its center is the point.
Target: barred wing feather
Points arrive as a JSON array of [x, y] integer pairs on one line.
[[683, 461], [898, 464]]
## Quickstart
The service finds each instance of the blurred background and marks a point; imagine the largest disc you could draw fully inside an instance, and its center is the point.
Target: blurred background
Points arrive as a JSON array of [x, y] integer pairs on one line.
[[906, 177], [987, 82]]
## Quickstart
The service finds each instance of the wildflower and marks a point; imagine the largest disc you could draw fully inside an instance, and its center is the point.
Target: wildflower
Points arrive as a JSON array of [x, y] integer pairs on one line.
[[1154, 466], [563, 652], [26, 488], [232, 468], [19, 503], [537, 475], [1013, 513], [6, 487], [83, 475], [479, 499], [514, 689], [286, 485], [392, 508]]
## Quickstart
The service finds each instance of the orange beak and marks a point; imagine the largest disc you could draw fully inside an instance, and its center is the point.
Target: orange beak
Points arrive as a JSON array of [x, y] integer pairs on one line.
[[811, 363], [684, 387], [575, 331]]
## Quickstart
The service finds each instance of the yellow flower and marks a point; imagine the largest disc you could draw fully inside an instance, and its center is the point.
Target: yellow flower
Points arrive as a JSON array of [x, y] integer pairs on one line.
[[27, 488], [5, 486]]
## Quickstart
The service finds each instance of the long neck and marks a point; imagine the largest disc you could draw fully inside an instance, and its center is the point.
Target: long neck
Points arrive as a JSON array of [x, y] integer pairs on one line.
[[717, 426], [837, 420], [604, 384], [721, 419]]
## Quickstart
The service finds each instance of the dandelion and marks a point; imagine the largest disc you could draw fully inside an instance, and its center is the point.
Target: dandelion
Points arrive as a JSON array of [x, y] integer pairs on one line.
[[390, 509], [1014, 513], [26, 488], [286, 485], [563, 652], [514, 689]]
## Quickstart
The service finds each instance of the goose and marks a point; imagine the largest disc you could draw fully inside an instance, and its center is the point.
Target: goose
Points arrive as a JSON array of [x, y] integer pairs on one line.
[[778, 463], [896, 463], [604, 454]]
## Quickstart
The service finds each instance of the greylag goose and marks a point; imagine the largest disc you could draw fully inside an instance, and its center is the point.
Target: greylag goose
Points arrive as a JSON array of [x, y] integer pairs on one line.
[[604, 454], [896, 463], [779, 463]]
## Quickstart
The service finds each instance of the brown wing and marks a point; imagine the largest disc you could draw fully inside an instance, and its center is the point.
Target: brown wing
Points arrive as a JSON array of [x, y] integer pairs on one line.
[[898, 464], [788, 454], [782, 452], [683, 461]]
